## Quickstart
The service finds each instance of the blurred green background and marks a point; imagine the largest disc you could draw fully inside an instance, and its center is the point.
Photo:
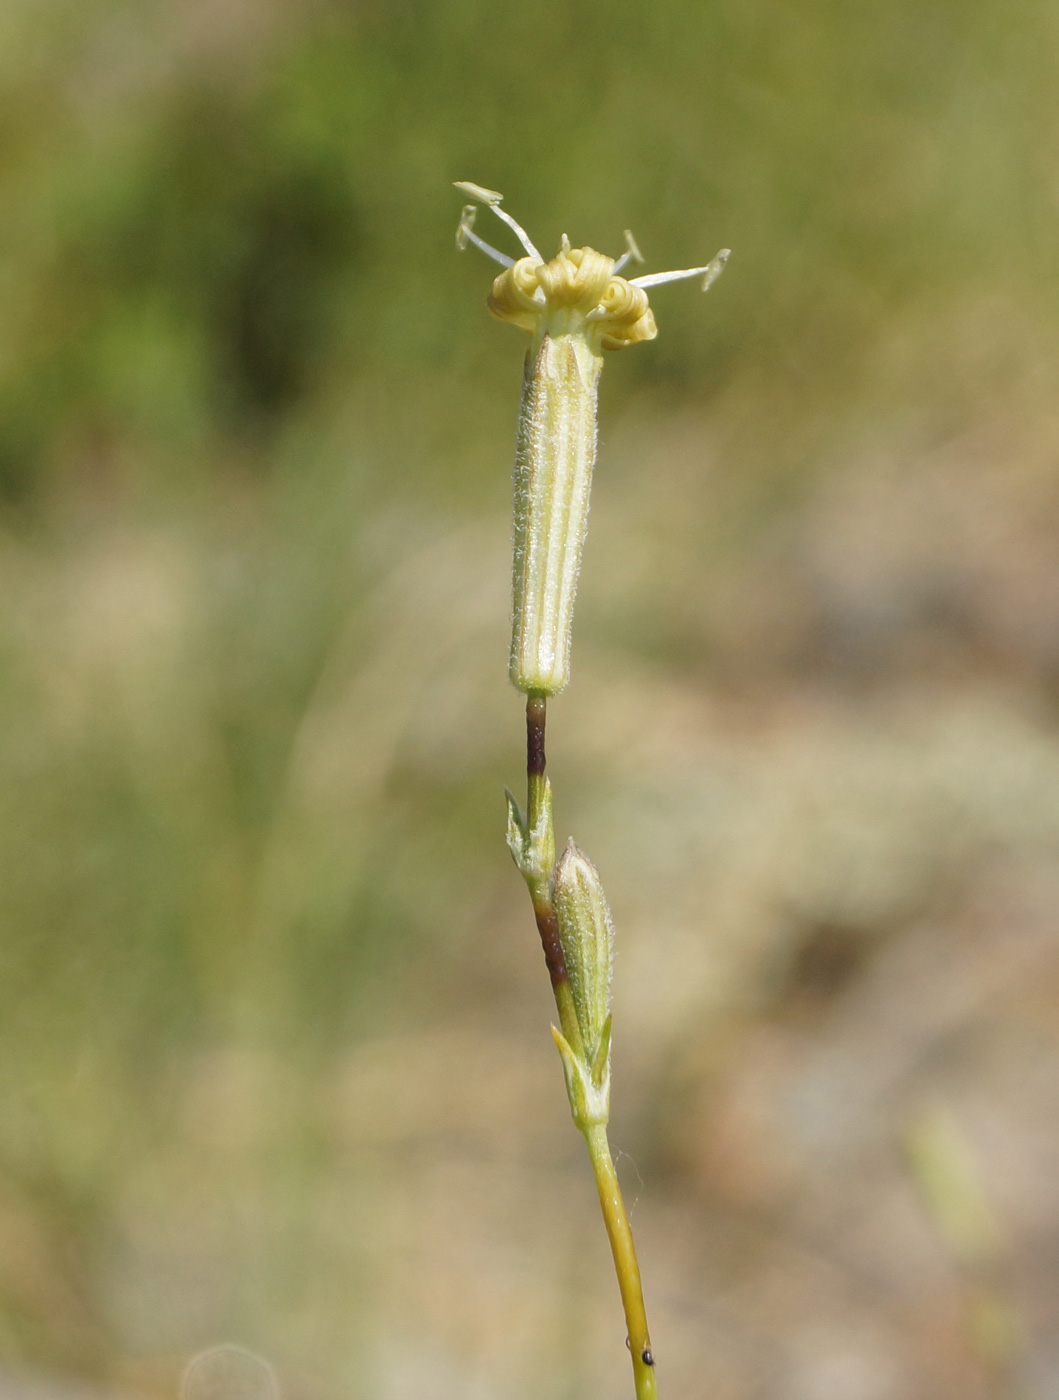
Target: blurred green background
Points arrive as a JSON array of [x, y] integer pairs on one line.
[[274, 1061]]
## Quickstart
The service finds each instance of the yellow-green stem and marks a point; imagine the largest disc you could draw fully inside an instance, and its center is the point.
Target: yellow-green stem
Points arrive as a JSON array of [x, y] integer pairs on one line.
[[619, 1232], [540, 881]]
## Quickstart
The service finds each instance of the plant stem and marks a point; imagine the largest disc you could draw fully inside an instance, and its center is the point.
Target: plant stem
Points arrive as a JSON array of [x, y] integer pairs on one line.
[[619, 1232], [615, 1217], [541, 890]]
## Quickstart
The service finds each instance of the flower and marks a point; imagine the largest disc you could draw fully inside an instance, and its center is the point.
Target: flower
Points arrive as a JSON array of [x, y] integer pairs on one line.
[[578, 290], [574, 307]]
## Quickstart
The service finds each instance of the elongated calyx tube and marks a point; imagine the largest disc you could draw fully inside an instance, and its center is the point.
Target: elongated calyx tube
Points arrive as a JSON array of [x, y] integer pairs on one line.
[[555, 447]]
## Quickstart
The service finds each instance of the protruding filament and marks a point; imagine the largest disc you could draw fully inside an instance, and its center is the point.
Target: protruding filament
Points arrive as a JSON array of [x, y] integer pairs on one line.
[[519, 232], [465, 234], [709, 273]]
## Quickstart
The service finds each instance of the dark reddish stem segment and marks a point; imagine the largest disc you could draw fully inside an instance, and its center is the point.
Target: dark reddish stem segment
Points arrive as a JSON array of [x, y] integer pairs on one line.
[[536, 719], [548, 928], [543, 908]]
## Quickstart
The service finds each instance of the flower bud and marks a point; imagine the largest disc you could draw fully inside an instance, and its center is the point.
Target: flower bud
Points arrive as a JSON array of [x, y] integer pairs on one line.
[[587, 937]]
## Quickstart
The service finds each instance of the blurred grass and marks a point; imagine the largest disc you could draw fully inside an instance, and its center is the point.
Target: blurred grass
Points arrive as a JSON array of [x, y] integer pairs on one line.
[[254, 434]]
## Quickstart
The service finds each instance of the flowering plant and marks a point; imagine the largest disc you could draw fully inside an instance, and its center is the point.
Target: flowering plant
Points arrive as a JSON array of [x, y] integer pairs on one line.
[[573, 307]]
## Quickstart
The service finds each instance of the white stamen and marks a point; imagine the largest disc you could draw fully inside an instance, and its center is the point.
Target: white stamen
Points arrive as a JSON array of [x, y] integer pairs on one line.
[[492, 199], [631, 254], [487, 248], [465, 234], [519, 232], [709, 273]]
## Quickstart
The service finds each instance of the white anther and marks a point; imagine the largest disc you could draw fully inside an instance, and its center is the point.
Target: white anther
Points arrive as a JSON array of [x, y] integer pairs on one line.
[[463, 228], [492, 199], [478, 192], [632, 252], [714, 268]]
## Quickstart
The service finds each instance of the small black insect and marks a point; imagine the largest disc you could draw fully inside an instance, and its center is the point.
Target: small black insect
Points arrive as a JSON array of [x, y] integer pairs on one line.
[[646, 1357]]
